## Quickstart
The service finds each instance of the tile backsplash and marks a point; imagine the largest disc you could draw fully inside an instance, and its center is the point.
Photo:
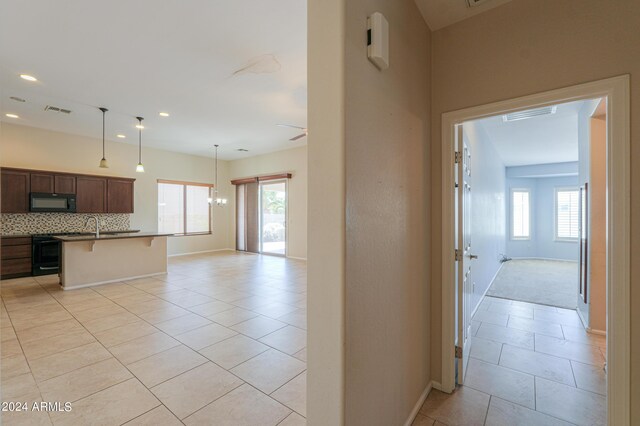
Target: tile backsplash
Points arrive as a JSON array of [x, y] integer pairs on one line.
[[41, 223]]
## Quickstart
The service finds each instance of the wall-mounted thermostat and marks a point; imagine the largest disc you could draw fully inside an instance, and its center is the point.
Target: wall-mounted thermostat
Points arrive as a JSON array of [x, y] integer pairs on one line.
[[378, 40]]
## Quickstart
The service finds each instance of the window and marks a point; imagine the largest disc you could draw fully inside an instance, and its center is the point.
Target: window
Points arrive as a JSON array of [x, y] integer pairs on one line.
[[567, 213], [183, 208], [520, 214]]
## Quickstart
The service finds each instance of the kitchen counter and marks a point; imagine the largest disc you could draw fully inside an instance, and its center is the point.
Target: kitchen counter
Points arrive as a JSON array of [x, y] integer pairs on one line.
[[87, 260], [110, 236]]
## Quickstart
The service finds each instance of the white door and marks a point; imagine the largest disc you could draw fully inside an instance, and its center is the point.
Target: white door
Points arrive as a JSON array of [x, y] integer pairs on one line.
[[463, 255]]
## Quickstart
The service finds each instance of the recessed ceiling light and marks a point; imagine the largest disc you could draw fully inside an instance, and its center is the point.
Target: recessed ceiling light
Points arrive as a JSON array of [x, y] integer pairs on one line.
[[17, 99], [120, 136], [139, 126], [164, 114], [28, 77], [11, 115]]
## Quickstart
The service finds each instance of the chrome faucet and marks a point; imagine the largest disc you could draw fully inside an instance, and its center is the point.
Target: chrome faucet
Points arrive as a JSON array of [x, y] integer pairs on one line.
[[97, 224]]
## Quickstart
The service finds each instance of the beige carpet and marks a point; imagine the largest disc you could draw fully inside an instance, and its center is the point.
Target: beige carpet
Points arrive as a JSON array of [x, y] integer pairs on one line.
[[548, 282]]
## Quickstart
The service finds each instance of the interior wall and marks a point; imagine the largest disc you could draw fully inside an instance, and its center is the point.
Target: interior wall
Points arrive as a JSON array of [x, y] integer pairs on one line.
[[488, 218], [526, 47], [293, 161], [34, 148], [542, 243], [387, 192]]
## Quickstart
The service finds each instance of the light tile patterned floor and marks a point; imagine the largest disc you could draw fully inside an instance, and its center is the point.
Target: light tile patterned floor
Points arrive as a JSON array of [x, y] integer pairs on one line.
[[221, 340], [529, 365]]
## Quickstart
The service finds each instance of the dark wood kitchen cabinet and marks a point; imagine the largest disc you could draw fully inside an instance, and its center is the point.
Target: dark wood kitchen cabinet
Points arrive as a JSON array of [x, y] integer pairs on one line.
[[94, 194], [15, 191], [120, 196], [16, 257], [41, 182], [64, 184], [91, 194]]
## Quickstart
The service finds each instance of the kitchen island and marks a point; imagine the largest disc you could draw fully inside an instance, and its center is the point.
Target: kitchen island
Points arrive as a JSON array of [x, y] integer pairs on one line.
[[88, 260]]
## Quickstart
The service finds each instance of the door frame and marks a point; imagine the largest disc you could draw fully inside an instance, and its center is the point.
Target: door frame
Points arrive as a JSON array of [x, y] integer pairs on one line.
[[617, 91]]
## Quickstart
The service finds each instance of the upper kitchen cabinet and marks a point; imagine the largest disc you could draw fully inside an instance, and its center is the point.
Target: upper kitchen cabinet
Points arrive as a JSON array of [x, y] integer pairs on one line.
[[119, 195], [91, 194], [53, 183], [15, 191], [42, 182], [64, 184]]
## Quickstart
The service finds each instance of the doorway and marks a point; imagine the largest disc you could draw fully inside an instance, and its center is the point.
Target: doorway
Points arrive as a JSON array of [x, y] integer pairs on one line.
[[273, 217], [456, 297]]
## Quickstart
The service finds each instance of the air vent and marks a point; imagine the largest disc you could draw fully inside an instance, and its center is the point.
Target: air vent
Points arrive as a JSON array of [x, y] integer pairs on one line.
[[523, 115], [17, 99], [57, 109], [242, 150], [474, 3]]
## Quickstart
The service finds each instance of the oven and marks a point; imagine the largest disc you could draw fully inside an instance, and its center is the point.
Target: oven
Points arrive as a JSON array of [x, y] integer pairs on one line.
[[45, 255]]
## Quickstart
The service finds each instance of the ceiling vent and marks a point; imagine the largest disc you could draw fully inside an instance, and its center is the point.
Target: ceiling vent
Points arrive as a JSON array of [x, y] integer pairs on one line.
[[17, 99], [57, 109], [242, 150], [474, 3], [523, 115]]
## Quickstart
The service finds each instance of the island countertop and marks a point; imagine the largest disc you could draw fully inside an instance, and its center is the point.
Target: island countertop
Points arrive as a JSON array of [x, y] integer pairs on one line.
[[105, 236]]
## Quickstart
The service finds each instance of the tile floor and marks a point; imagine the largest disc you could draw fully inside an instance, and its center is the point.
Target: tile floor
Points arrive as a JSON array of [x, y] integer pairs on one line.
[[529, 365], [220, 339]]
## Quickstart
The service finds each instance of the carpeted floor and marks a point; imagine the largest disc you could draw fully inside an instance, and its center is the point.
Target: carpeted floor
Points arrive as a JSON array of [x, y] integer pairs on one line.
[[548, 282]]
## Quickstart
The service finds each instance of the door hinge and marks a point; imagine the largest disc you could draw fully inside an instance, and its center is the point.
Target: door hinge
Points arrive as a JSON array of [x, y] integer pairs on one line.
[[458, 157], [457, 255], [458, 352]]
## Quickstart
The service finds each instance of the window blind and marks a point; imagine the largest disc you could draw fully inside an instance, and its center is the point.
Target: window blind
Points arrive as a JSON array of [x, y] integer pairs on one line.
[[567, 214], [520, 220]]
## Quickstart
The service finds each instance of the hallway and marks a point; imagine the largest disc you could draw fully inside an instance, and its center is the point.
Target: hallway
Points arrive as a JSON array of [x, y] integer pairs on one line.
[[529, 364]]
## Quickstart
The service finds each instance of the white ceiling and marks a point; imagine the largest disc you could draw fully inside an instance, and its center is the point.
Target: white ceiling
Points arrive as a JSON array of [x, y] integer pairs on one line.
[[142, 57], [538, 140], [441, 13]]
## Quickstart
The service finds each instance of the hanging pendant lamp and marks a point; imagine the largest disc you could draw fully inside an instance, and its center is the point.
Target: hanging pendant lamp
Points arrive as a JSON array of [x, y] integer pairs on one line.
[[220, 202], [103, 162], [140, 167]]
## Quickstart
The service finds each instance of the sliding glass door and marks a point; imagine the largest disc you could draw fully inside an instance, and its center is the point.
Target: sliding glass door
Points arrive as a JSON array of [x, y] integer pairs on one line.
[[273, 217]]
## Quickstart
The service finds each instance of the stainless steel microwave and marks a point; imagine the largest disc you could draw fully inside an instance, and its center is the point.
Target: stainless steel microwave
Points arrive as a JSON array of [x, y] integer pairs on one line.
[[48, 202]]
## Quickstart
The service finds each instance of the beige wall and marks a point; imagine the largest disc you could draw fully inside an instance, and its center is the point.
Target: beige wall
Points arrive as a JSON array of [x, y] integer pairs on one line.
[[525, 47], [387, 191], [293, 161], [33, 148]]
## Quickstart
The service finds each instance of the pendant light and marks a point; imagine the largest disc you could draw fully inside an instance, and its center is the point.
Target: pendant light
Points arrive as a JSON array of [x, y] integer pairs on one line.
[[103, 162], [220, 202], [140, 167]]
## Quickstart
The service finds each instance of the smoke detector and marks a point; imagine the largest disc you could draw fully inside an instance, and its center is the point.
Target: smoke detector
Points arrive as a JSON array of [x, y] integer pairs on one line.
[[474, 3], [57, 109], [530, 113]]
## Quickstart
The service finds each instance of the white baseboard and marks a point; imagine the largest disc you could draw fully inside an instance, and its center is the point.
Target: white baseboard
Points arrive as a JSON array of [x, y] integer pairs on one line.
[[296, 258], [436, 385], [543, 258], [418, 405], [200, 252], [487, 289], [598, 332]]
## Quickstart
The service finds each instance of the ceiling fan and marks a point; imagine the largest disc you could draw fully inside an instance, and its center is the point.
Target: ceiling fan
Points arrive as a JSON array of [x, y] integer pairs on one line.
[[300, 136]]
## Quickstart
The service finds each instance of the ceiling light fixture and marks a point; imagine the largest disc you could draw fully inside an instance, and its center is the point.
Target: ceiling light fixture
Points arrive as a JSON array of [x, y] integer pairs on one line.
[[140, 167], [103, 161], [220, 202], [121, 136], [28, 77], [12, 115], [163, 114]]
